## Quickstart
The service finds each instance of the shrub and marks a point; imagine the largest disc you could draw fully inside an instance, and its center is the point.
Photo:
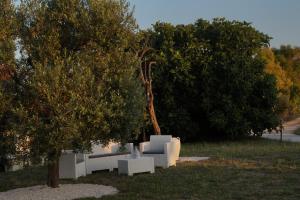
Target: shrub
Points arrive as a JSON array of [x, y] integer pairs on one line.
[[210, 81]]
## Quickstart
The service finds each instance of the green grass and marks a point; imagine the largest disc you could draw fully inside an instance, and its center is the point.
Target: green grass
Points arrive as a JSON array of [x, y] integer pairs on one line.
[[297, 132], [245, 170]]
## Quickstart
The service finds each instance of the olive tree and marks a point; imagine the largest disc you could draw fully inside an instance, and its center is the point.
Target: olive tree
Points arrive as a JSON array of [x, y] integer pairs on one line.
[[82, 83]]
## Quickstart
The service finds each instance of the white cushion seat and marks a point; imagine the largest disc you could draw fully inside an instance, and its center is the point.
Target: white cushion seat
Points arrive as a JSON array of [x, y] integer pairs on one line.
[[106, 157]]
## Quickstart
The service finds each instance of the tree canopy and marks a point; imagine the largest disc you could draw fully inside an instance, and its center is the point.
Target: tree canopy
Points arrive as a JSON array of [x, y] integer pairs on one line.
[[82, 83], [289, 58], [7, 64], [283, 82], [210, 80]]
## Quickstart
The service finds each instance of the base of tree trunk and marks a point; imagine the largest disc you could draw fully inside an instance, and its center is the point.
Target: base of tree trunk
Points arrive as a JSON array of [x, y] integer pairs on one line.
[[53, 174]]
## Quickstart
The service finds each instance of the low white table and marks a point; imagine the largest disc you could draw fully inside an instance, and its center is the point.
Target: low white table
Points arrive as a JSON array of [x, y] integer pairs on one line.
[[132, 166]]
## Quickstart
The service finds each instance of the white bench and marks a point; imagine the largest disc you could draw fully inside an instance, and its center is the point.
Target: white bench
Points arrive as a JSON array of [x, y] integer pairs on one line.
[[73, 165], [106, 157]]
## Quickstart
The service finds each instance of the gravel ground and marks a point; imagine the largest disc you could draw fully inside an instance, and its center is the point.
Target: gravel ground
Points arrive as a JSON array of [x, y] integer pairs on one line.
[[192, 159], [288, 129], [64, 192], [287, 137]]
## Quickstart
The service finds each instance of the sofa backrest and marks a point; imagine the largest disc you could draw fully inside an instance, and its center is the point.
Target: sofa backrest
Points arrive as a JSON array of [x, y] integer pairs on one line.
[[112, 147], [157, 142]]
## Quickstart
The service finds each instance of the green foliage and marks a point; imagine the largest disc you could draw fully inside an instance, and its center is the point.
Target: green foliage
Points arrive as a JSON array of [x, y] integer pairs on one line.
[[82, 84], [7, 32], [7, 62], [210, 80]]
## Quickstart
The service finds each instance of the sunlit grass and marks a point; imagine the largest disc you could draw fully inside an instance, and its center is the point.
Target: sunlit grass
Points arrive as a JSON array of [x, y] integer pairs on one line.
[[246, 170]]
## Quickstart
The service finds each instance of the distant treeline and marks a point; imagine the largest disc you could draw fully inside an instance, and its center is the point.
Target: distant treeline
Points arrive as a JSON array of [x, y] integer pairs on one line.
[[284, 64], [289, 59]]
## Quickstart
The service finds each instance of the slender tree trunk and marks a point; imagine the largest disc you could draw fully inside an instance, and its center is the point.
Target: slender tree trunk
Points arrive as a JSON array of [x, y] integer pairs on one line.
[[152, 114], [145, 74], [53, 171]]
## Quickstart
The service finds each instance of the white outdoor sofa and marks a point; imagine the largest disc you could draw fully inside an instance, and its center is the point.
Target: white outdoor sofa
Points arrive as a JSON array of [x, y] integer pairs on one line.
[[106, 157], [163, 148], [73, 165]]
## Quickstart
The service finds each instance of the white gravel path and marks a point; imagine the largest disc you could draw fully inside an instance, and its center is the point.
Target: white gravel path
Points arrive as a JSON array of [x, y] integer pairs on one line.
[[288, 129], [192, 159], [64, 192], [288, 137]]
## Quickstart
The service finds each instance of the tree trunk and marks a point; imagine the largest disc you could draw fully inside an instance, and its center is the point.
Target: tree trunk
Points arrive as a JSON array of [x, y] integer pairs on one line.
[[145, 74], [53, 172], [152, 114]]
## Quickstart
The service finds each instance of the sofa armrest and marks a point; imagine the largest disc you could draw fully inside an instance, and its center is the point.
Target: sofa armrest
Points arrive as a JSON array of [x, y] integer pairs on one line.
[[144, 146], [176, 147], [67, 165]]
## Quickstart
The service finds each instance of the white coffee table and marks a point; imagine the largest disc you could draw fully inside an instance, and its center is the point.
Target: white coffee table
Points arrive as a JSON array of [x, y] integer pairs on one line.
[[132, 166]]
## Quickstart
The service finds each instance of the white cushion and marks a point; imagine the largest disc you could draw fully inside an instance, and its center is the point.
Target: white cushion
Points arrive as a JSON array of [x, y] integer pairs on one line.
[[157, 142]]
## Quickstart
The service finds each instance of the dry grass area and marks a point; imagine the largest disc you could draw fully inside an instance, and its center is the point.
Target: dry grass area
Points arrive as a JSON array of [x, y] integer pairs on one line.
[[245, 170]]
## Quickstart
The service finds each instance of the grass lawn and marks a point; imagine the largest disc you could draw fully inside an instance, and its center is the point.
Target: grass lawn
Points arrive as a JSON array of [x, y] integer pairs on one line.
[[245, 170]]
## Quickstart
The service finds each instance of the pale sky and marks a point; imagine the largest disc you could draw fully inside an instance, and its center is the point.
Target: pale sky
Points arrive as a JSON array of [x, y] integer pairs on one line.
[[279, 19]]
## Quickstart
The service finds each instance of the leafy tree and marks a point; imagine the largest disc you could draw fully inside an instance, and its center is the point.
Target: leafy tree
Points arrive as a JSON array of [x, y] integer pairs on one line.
[[283, 82], [289, 59], [82, 81], [7, 63], [272, 67], [210, 82]]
